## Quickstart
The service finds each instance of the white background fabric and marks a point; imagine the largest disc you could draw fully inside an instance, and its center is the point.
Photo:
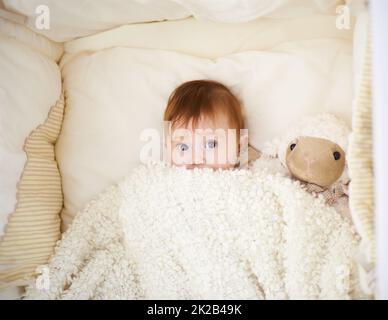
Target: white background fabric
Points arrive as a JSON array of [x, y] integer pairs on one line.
[[76, 18]]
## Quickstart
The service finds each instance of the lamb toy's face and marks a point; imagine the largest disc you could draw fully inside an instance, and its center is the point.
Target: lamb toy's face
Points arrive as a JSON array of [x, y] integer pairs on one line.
[[315, 160]]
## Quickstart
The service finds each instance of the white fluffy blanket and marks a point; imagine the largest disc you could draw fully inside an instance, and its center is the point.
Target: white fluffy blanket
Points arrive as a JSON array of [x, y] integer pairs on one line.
[[171, 233]]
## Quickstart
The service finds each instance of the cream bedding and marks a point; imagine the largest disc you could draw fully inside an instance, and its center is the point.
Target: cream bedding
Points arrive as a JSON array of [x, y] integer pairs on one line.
[[30, 83], [171, 233], [72, 19], [208, 39], [223, 40], [113, 95]]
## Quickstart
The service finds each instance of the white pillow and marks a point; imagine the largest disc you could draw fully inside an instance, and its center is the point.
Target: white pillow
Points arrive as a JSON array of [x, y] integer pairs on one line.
[[112, 95], [30, 83]]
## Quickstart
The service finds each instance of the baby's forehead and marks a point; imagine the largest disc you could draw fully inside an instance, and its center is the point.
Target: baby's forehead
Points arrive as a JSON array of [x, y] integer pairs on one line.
[[219, 121]]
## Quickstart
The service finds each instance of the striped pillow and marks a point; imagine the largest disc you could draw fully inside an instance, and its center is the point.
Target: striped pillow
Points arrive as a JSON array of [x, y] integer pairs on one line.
[[34, 227]]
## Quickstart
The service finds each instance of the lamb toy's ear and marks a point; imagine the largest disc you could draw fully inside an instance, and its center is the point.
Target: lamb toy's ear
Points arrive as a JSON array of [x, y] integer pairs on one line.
[[344, 180]]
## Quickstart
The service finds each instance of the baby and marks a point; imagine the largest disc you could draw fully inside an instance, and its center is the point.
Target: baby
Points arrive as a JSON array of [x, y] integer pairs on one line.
[[205, 124]]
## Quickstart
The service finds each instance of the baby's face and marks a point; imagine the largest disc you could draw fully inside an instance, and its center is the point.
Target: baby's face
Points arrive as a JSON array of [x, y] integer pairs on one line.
[[211, 144]]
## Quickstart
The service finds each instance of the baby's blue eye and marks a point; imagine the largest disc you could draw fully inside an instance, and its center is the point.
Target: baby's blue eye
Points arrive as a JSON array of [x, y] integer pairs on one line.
[[182, 147], [211, 144]]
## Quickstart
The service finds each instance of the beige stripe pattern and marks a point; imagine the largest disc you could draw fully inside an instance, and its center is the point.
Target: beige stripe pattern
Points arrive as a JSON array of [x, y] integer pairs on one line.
[[361, 159], [34, 227]]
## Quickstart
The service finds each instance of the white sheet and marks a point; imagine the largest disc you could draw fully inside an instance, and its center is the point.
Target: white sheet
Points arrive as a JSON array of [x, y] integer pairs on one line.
[[71, 19], [35, 41], [207, 39], [76, 18]]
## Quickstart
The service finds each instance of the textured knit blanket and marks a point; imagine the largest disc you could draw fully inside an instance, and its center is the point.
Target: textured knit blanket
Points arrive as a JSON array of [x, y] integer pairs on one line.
[[172, 233]]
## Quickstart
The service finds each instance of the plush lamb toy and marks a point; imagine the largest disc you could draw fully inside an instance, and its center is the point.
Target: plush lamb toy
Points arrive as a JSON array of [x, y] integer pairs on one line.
[[314, 152]]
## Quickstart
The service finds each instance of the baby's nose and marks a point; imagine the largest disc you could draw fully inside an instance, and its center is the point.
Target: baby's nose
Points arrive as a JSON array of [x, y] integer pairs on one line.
[[199, 157]]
